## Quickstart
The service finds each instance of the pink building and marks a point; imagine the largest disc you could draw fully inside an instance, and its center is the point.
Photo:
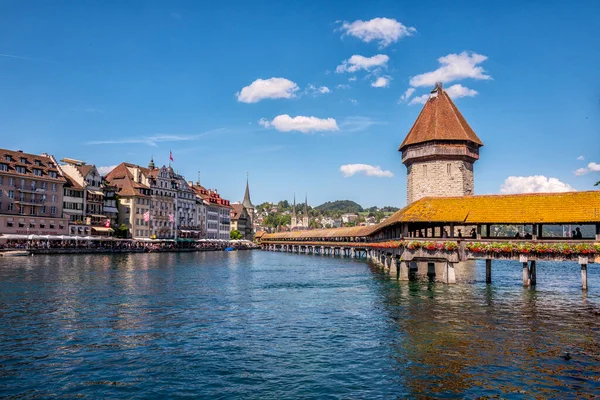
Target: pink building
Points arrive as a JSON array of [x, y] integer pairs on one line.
[[31, 194]]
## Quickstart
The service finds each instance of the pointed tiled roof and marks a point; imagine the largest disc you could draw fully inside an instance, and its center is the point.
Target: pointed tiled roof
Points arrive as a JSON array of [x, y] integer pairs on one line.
[[440, 120], [247, 203]]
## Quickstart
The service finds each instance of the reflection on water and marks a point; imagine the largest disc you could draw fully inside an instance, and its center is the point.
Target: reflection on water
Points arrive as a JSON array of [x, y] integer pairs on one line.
[[254, 324]]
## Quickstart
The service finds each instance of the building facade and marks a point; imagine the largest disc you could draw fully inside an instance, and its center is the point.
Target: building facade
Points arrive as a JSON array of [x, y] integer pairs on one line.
[[85, 176], [135, 199], [31, 194], [439, 151], [241, 220]]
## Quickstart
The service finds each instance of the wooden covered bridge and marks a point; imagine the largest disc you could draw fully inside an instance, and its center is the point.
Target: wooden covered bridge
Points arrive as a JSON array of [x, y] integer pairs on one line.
[[447, 230]]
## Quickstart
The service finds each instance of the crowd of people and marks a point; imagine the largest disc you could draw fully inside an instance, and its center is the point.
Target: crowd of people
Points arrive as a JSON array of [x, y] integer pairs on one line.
[[117, 245]]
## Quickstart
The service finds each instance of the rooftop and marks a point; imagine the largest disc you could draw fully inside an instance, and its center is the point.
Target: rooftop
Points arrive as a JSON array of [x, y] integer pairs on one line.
[[440, 120]]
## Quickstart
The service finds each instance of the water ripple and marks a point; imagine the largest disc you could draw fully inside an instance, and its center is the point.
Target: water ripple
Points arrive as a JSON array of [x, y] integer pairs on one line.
[[269, 325]]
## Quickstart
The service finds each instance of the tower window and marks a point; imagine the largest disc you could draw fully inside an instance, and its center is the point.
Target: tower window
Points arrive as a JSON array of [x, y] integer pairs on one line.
[[449, 168], [425, 170]]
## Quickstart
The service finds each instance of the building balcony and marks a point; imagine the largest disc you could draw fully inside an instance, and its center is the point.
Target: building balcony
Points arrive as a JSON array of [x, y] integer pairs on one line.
[[30, 202], [25, 189]]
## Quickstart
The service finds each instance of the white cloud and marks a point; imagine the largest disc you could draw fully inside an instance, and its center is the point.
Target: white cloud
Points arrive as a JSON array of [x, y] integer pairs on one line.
[[272, 88], [409, 92], [591, 167], [105, 170], [383, 30], [353, 101], [153, 140], [457, 91], [534, 184], [285, 123], [369, 170], [342, 86], [315, 91], [382, 82], [581, 158], [419, 100], [453, 67], [352, 79], [358, 123], [357, 63]]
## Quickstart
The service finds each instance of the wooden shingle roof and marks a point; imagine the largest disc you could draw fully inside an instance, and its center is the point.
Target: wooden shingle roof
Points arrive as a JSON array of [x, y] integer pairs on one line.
[[440, 120], [530, 208]]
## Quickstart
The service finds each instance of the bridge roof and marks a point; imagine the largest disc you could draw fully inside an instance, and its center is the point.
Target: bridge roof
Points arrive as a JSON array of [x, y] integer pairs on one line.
[[531, 208], [356, 231]]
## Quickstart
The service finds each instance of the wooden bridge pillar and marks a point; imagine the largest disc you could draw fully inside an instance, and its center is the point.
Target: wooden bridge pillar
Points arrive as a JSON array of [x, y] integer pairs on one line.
[[526, 277], [488, 270], [449, 275], [583, 262], [532, 273], [404, 270]]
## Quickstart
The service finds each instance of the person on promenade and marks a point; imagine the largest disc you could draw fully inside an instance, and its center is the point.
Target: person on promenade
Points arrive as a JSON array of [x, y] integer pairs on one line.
[[444, 234], [473, 234], [459, 233], [517, 235], [578, 234]]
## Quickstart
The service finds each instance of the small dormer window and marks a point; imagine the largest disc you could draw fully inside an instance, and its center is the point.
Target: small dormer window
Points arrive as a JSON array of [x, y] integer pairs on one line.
[[38, 163], [23, 160], [7, 158]]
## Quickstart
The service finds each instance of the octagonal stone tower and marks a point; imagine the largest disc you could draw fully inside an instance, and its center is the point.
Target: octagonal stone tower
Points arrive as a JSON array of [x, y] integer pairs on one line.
[[439, 151]]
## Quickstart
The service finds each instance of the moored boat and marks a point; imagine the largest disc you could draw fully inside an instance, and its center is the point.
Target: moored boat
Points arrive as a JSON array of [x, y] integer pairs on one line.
[[15, 253]]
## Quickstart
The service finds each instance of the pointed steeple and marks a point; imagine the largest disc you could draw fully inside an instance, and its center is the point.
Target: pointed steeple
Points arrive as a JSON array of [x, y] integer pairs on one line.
[[294, 208], [306, 205], [247, 203], [440, 121]]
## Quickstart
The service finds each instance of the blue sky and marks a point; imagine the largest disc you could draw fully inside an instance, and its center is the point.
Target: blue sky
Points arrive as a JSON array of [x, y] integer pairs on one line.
[[107, 82]]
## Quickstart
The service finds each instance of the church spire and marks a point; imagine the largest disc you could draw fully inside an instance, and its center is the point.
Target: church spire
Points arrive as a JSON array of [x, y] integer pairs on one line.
[[294, 208], [247, 203], [306, 205]]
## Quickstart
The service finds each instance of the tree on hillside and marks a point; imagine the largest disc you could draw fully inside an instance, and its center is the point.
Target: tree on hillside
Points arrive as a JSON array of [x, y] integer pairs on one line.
[[235, 235]]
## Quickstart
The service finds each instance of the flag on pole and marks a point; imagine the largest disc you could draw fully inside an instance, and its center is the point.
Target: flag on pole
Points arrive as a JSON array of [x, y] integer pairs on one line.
[[171, 218], [147, 216], [107, 223], [171, 156]]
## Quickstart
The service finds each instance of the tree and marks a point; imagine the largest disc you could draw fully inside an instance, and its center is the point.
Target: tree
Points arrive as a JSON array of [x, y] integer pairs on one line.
[[121, 231], [235, 235], [597, 183]]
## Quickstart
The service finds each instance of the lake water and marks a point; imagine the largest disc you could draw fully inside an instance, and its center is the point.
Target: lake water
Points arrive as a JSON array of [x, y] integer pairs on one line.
[[274, 325]]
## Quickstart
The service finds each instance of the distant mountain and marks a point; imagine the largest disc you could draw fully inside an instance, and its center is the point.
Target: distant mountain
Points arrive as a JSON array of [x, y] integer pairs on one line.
[[344, 206]]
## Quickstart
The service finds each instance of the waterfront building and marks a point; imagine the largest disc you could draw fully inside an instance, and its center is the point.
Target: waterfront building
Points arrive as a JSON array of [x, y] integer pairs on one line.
[[85, 176], [31, 194], [296, 222], [110, 203], [439, 151], [186, 217], [164, 196], [217, 213], [135, 199], [241, 220], [74, 207]]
